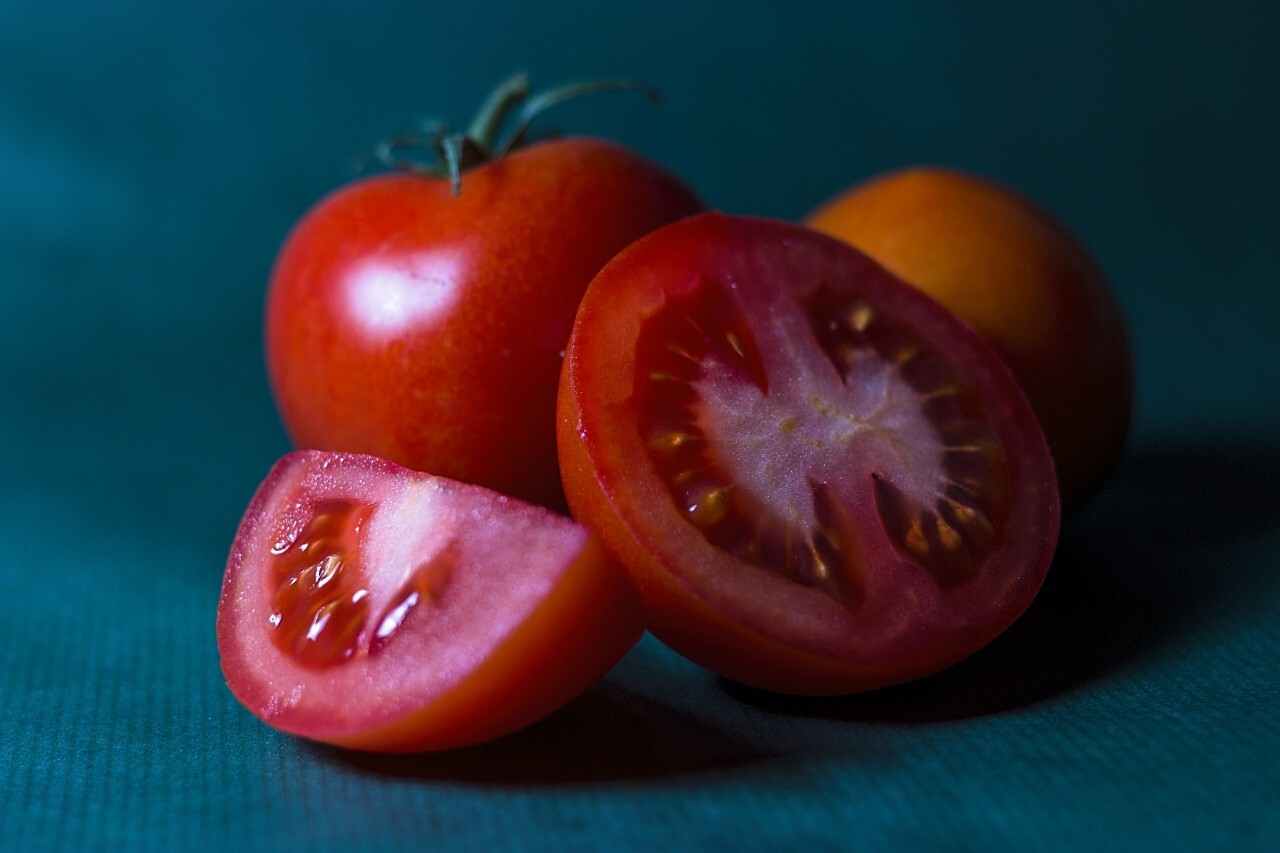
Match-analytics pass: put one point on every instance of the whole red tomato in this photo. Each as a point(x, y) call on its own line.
point(423, 319)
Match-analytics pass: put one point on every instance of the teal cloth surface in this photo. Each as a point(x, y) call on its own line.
point(152, 156)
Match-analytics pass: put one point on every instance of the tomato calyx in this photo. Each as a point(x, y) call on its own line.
point(449, 153)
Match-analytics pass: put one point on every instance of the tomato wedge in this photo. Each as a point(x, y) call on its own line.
point(821, 481)
point(374, 607)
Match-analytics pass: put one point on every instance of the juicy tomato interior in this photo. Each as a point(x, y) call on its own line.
point(821, 481)
point(370, 606)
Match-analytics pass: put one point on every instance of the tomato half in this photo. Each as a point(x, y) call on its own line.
point(427, 328)
point(373, 607)
point(1025, 283)
point(821, 481)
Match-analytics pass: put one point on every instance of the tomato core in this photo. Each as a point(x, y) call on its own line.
point(708, 411)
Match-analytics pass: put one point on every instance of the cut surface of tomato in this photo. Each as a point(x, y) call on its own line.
point(374, 607)
point(821, 481)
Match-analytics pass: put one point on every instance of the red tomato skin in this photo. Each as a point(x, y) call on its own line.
point(426, 328)
point(578, 631)
point(680, 613)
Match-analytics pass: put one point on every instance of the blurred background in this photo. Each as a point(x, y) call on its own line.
point(154, 155)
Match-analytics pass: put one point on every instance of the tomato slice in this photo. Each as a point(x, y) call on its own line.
point(821, 481)
point(374, 607)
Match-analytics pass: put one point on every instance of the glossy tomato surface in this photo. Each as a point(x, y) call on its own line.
point(373, 607)
point(1025, 283)
point(427, 328)
point(821, 480)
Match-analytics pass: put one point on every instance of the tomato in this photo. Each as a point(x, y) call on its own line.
point(820, 480)
point(373, 607)
point(1025, 283)
point(425, 327)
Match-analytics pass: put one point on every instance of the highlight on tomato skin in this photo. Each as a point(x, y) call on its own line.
point(377, 608)
point(820, 480)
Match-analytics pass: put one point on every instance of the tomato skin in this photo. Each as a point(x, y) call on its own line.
point(1025, 283)
point(407, 323)
point(482, 670)
point(749, 624)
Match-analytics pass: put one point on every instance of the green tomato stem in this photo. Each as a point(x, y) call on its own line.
point(484, 128)
point(568, 92)
point(453, 153)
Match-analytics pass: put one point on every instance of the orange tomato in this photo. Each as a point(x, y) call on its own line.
point(1021, 280)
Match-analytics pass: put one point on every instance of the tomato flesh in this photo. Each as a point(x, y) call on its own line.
point(821, 481)
point(369, 606)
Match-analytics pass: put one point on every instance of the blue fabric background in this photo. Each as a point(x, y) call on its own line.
point(152, 156)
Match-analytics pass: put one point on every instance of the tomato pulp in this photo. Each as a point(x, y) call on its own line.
point(373, 607)
point(427, 328)
point(820, 480)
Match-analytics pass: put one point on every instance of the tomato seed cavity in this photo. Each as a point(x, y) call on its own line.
point(321, 611)
point(319, 606)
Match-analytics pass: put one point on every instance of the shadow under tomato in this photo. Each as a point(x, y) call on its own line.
point(610, 734)
point(1138, 568)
